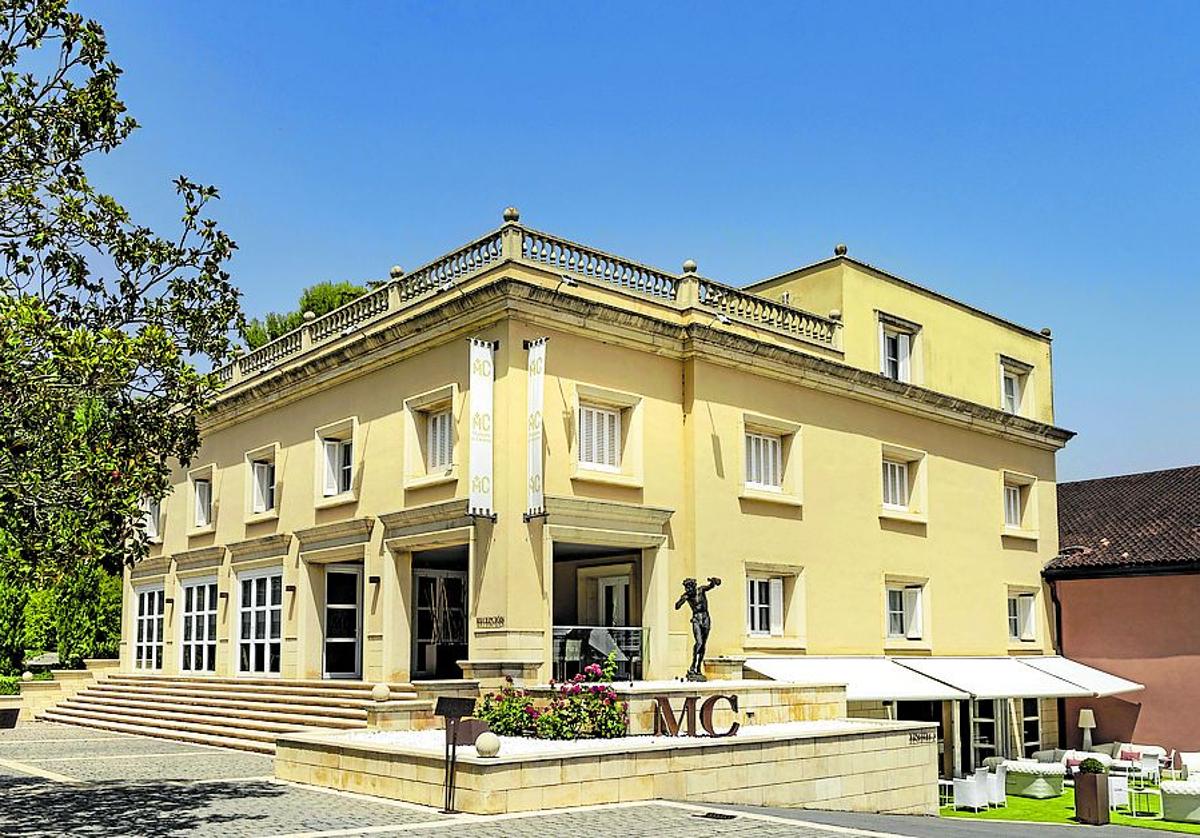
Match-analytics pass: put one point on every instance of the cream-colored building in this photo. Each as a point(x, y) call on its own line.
point(867, 465)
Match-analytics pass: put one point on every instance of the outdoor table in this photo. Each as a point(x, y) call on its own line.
point(1149, 795)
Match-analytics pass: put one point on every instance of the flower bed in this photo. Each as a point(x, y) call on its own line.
point(586, 707)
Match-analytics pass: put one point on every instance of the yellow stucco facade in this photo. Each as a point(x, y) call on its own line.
point(688, 368)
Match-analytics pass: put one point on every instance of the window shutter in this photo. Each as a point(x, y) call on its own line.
point(587, 435)
point(203, 492)
point(903, 343)
point(331, 467)
point(912, 613)
point(776, 589)
point(882, 349)
point(750, 606)
point(259, 499)
point(613, 448)
point(751, 475)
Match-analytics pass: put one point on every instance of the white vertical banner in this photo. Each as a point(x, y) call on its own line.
point(535, 494)
point(482, 374)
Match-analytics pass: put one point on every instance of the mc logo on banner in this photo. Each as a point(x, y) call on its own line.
point(535, 496)
point(482, 376)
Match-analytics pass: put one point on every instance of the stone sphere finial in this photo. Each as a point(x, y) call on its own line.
point(835, 314)
point(689, 266)
point(309, 316)
point(840, 249)
point(396, 272)
point(381, 692)
point(1046, 331)
point(512, 215)
point(487, 745)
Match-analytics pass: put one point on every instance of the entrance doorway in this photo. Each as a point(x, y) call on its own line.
point(343, 621)
point(440, 613)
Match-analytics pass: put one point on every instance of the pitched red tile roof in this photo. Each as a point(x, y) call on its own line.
point(1132, 524)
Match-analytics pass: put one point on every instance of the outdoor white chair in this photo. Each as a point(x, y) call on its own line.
point(1118, 791)
point(1148, 769)
point(1191, 764)
point(972, 792)
point(997, 794)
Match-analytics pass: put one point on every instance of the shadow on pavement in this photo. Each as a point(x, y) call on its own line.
point(32, 806)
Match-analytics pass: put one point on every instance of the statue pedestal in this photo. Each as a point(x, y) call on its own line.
point(725, 668)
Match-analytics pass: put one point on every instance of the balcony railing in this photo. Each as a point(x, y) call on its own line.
point(577, 646)
point(520, 244)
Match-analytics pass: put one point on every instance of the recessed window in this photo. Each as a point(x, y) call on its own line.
point(151, 518)
point(764, 606)
point(440, 440)
point(897, 338)
point(895, 484)
point(1012, 506)
point(1021, 617)
point(262, 497)
point(599, 437)
point(1014, 381)
point(764, 461)
point(200, 626)
point(202, 502)
point(260, 613)
point(904, 618)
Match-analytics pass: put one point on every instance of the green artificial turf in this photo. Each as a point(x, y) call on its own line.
point(1061, 810)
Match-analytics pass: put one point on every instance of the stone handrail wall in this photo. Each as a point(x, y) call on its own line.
point(565, 255)
point(512, 241)
point(760, 311)
point(462, 263)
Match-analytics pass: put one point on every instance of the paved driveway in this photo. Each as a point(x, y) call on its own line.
point(63, 780)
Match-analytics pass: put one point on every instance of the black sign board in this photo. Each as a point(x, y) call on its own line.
point(452, 709)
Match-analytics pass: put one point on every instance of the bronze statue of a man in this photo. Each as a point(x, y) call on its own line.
point(697, 597)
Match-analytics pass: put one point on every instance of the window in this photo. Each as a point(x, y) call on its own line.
point(1021, 617)
point(1031, 726)
point(260, 622)
point(764, 461)
point(895, 484)
point(600, 437)
point(262, 497)
point(202, 495)
point(904, 611)
point(1014, 379)
point(151, 517)
point(764, 606)
point(1012, 506)
point(148, 642)
point(896, 342)
point(339, 466)
point(200, 626)
point(440, 445)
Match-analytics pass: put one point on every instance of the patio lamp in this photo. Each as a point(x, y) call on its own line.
point(1087, 721)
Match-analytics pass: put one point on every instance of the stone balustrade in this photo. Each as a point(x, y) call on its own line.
point(520, 244)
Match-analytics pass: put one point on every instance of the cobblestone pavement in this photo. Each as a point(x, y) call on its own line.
point(63, 780)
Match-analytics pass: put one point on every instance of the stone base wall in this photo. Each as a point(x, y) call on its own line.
point(867, 710)
point(873, 770)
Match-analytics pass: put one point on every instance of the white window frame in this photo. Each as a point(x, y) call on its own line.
point(1027, 746)
point(152, 519)
point(764, 606)
point(895, 478)
point(262, 474)
point(337, 458)
point(911, 610)
point(260, 651)
point(764, 461)
point(149, 628)
point(1019, 374)
point(203, 642)
point(1022, 616)
point(197, 478)
point(603, 452)
point(905, 336)
point(1013, 505)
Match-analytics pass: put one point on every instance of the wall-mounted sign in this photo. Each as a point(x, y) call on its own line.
point(492, 621)
point(918, 736)
point(481, 502)
point(535, 496)
point(668, 723)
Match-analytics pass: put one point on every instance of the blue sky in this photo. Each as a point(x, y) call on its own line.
point(1036, 160)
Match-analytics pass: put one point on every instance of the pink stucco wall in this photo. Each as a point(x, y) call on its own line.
point(1147, 629)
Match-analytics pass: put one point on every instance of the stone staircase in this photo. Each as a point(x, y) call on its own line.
point(244, 713)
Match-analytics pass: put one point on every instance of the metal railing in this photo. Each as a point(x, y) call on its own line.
point(577, 646)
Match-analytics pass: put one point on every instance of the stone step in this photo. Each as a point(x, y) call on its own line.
point(264, 720)
point(350, 708)
point(210, 734)
point(249, 695)
point(329, 690)
point(321, 684)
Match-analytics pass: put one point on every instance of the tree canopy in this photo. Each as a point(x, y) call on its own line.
point(104, 323)
point(320, 299)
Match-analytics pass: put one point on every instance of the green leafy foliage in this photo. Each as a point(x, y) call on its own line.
point(12, 626)
point(320, 299)
point(41, 631)
point(586, 707)
point(10, 685)
point(1091, 765)
point(88, 611)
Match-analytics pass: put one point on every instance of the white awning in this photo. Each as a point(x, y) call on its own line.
point(995, 677)
point(866, 678)
point(1089, 678)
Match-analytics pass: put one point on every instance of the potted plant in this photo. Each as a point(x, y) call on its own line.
point(1091, 793)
